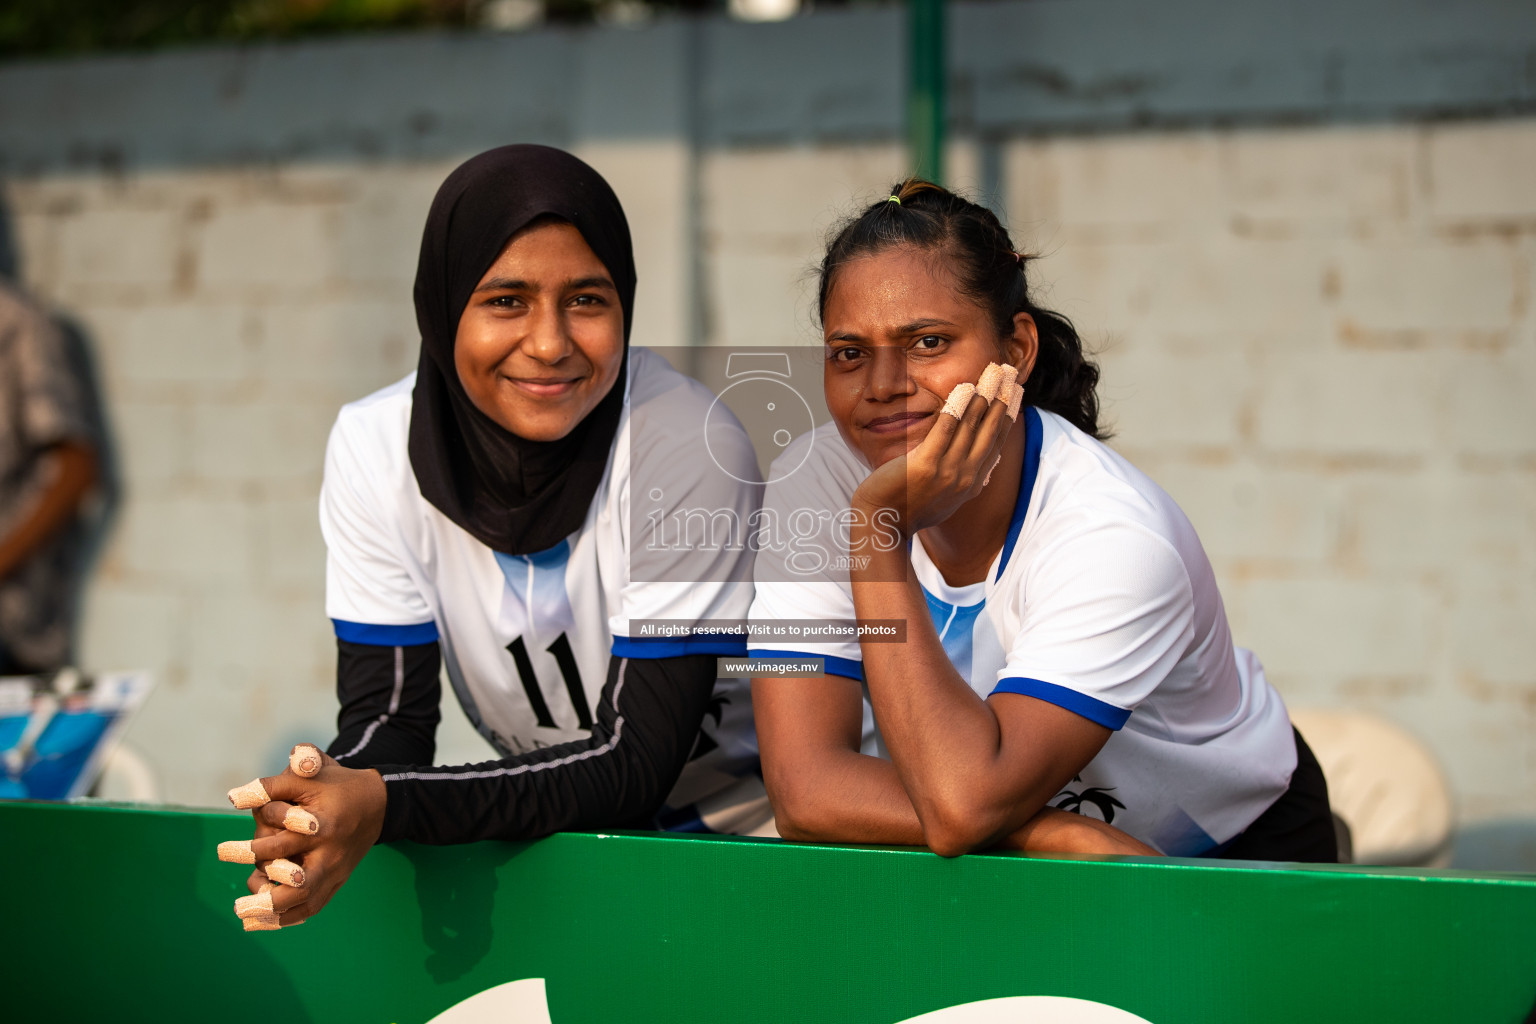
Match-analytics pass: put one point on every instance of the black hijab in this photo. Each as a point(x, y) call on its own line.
point(513, 495)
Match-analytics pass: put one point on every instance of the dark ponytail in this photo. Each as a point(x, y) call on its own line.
point(922, 215)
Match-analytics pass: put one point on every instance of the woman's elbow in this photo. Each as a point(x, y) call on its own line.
point(791, 821)
point(953, 828)
point(797, 815)
point(793, 829)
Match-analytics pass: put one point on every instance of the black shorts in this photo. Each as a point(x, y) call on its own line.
point(1298, 827)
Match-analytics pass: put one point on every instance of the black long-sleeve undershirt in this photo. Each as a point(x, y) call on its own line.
point(390, 699)
point(647, 721)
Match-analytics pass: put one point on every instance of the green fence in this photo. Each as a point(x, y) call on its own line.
point(124, 914)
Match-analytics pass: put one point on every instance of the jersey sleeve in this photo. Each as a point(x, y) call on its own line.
point(370, 594)
point(785, 617)
point(1107, 615)
point(389, 704)
point(688, 503)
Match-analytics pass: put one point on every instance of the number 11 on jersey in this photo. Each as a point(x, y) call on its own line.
point(566, 659)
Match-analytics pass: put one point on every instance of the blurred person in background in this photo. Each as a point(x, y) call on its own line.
point(48, 467)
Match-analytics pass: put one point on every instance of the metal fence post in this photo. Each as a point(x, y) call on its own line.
point(925, 88)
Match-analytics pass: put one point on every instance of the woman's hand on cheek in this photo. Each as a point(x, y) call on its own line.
point(947, 469)
point(347, 804)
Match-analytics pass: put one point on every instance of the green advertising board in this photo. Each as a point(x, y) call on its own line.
point(124, 914)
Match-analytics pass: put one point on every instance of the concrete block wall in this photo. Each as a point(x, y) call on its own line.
point(1307, 261)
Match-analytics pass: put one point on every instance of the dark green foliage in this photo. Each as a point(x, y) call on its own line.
point(39, 27)
point(55, 27)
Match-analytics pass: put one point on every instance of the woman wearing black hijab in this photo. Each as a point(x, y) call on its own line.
point(481, 513)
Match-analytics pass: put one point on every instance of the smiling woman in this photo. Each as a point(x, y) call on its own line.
point(1066, 647)
point(476, 513)
point(541, 341)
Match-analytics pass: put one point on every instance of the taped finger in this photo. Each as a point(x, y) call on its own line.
point(991, 380)
point(285, 897)
point(255, 905)
point(278, 846)
point(1010, 375)
point(301, 821)
point(237, 851)
point(305, 760)
point(273, 814)
point(958, 399)
point(285, 872)
point(261, 923)
point(1015, 401)
point(252, 794)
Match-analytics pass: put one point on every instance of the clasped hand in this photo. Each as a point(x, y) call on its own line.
point(311, 832)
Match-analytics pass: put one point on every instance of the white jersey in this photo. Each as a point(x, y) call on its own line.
point(1102, 602)
point(527, 640)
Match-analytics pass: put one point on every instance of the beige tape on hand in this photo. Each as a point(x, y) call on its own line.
point(252, 794)
point(237, 851)
point(301, 821)
point(1015, 401)
point(1010, 375)
point(286, 872)
point(305, 760)
point(261, 923)
point(991, 380)
point(251, 906)
point(959, 399)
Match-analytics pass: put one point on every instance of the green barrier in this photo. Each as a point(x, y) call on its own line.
point(124, 914)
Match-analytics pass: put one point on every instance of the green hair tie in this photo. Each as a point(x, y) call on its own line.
point(894, 199)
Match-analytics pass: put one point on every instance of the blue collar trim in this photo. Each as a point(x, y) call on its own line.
point(1026, 485)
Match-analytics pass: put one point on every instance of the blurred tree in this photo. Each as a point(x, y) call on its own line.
point(77, 26)
point(41, 27)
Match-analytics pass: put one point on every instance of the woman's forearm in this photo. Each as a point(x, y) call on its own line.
point(1053, 831)
point(943, 739)
point(850, 798)
point(860, 799)
point(390, 701)
point(647, 723)
point(823, 789)
point(973, 776)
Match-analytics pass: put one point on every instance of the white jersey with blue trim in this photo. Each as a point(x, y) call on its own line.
point(1101, 601)
point(526, 639)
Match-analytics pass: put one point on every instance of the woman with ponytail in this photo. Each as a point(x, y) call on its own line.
point(1043, 661)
